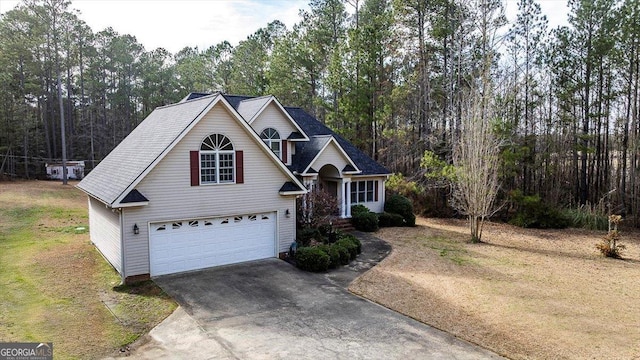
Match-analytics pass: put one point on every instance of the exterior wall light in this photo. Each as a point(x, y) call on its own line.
point(287, 213)
point(136, 229)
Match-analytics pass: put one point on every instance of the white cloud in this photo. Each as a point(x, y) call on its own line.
point(174, 24)
point(555, 10)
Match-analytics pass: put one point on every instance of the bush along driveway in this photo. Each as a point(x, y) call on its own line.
point(270, 310)
point(330, 255)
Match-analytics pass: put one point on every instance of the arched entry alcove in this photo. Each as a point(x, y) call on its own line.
point(328, 180)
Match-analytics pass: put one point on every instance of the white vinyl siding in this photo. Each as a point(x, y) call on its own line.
point(104, 230)
point(331, 155)
point(171, 197)
point(272, 117)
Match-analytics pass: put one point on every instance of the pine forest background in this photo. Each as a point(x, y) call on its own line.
point(393, 77)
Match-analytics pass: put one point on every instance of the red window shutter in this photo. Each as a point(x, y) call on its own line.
point(375, 190)
point(284, 151)
point(239, 167)
point(194, 157)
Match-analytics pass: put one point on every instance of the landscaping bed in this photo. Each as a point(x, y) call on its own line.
point(525, 293)
point(56, 287)
point(318, 253)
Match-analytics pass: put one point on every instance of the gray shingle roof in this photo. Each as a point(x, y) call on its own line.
point(306, 151)
point(194, 95)
point(234, 100)
point(122, 167)
point(248, 108)
point(313, 128)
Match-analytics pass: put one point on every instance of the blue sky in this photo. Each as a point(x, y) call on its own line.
point(174, 24)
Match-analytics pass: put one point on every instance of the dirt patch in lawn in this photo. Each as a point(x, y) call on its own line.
point(525, 294)
point(56, 287)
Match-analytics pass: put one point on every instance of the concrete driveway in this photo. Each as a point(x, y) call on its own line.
point(271, 310)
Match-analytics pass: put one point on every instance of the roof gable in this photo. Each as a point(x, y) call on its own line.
point(329, 153)
point(251, 110)
point(145, 145)
point(272, 117)
point(313, 127)
point(119, 173)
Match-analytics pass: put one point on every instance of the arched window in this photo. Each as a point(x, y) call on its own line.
point(271, 137)
point(216, 160)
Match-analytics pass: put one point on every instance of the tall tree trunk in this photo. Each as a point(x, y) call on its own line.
point(586, 113)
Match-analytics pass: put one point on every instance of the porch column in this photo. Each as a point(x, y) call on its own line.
point(347, 195)
point(343, 207)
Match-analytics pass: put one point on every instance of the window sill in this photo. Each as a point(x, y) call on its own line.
point(215, 184)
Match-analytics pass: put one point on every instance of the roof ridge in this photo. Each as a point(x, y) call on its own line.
point(190, 100)
point(254, 98)
point(322, 135)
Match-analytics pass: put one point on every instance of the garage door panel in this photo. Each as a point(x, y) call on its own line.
point(194, 244)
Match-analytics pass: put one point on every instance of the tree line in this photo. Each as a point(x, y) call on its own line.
point(393, 76)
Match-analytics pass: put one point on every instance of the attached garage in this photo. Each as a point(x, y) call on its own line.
point(157, 200)
point(184, 245)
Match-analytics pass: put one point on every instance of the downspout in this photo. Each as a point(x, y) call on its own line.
point(277, 234)
point(122, 252)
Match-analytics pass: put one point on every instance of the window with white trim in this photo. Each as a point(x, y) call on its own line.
point(216, 160)
point(271, 137)
point(362, 191)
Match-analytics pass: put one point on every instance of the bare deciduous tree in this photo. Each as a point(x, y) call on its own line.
point(476, 158)
point(317, 207)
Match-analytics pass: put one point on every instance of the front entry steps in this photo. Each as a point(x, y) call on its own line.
point(343, 225)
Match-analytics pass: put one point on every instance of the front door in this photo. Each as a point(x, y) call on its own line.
point(332, 188)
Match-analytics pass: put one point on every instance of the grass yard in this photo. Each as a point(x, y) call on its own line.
point(55, 286)
point(525, 294)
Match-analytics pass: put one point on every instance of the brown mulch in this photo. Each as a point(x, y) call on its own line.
point(524, 293)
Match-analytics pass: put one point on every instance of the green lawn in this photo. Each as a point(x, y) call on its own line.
point(55, 286)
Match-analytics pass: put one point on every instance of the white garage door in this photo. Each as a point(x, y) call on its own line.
point(201, 243)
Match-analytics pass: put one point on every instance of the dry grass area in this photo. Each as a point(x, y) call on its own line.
point(524, 293)
point(55, 286)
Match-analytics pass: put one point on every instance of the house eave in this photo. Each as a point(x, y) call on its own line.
point(373, 175)
point(131, 204)
point(105, 202)
point(288, 193)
